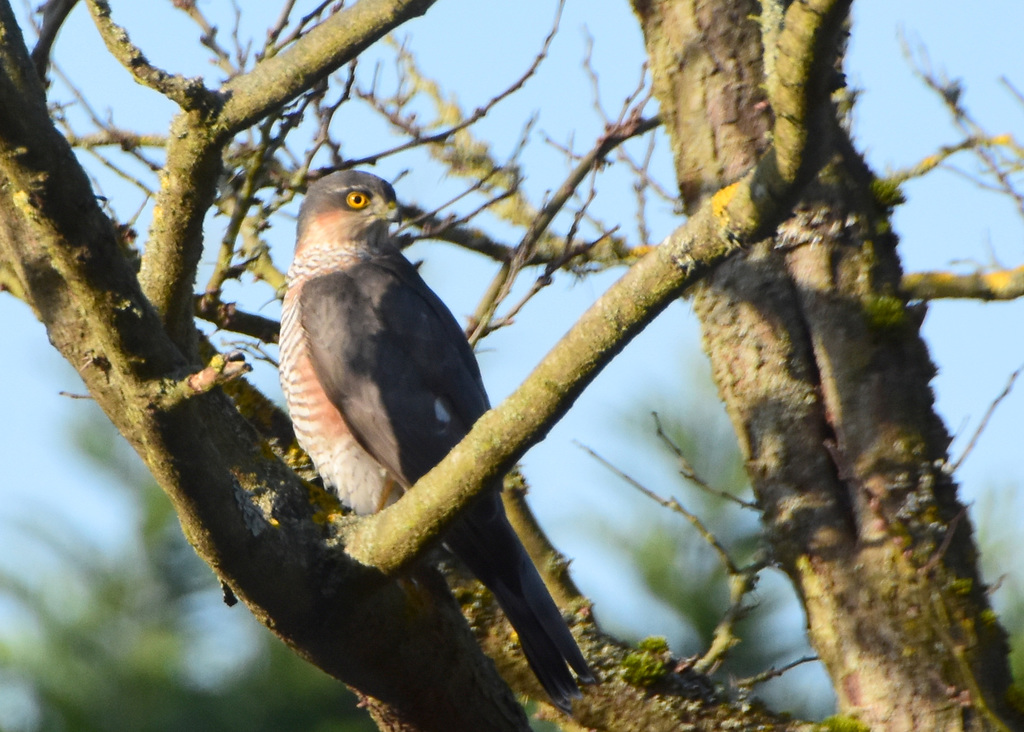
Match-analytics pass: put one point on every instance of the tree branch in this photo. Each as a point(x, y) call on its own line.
point(189, 94)
point(614, 135)
point(200, 132)
point(1003, 284)
point(278, 79)
point(227, 316)
point(394, 538)
point(243, 510)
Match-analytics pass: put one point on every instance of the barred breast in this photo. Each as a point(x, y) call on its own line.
point(347, 469)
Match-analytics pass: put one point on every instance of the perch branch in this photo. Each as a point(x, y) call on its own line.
point(735, 215)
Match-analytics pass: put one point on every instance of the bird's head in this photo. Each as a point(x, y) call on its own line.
point(348, 206)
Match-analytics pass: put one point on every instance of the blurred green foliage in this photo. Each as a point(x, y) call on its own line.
point(133, 634)
point(680, 571)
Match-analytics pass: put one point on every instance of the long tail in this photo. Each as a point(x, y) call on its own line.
point(486, 543)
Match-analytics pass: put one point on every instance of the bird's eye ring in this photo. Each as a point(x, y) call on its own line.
point(357, 200)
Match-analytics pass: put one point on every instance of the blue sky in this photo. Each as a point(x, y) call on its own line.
point(947, 222)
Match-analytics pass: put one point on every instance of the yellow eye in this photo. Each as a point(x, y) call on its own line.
point(357, 200)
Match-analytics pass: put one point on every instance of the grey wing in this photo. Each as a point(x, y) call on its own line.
point(393, 360)
point(395, 363)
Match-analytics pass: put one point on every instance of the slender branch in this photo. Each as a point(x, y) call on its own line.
point(467, 237)
point(999, 156)
point(633, 126)
point(674, 505)
point(272, 136)
point(480, 112)
point(945, 152)
point(724, 638)
point(686, 470)
point(613, 136)
point(985, 419)
point(188, 94)
point(106, 126)
point(1004, 284)
point(209, 37)
point(742, 580)
point(552, 565)
point(773, 672)
point(116, 137)
point(227, 316)
point(321, 51)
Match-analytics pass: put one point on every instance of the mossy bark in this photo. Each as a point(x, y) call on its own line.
point(822, 368)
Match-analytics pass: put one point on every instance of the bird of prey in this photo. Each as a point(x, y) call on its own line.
point(381, 384)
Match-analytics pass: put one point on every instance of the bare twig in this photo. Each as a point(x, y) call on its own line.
point(209, 37)
point(673, 505)
point(687, 471)
point(741, 580)
point(985, 419)
point(419, 139)
point(940, 552)
point(125, 140)
point(772, 673)
point(995, 166)
point(945, 152)
point(428, 221)
point(1012, 89)
point(724, 637)
point(273, 134)
point(613, 136)
point(275, 42)
point(467, 237)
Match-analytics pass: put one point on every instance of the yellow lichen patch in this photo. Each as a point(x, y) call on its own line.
point(21, 200)
point(296, 458)
point(326, 506)
point(721, 200)
point(1001, 279)
point(930, 162)
point(961, 586)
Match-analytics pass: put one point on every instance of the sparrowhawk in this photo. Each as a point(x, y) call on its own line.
point(381, 384)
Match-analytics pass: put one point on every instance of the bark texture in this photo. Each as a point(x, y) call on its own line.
point(819, 360)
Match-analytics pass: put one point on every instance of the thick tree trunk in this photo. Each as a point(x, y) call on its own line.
point(826, 379)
